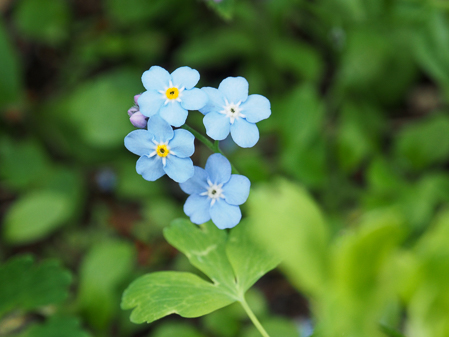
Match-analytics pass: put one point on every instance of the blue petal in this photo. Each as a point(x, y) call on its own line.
point(256, 108)
point(150, 103)
point(179, 169)
point(197, 184)
point(193, 99)
point(218, 169)
point(185, 77)
point(150, 168)
point(244, 133)
point(236, 190)
point(235, 89)
point(215, 102)
point(197, 208)
point(156, 78)
point(139, 142)
point(174, 113)
point(182, 143)
point(224, 215)
point(160, 129)
point(217, 125)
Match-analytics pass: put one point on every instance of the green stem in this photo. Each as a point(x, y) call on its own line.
point(253, 318)
point(214, 147)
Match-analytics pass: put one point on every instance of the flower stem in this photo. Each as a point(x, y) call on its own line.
point(253, 318)
point(214, 147)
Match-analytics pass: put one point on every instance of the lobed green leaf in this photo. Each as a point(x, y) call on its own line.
point(232, 262)
point(160, 294)
point(25, 285)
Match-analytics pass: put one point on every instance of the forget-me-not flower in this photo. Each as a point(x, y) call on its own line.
point(215, 193)
point(171, 95)
point(162, 151)
point(230, 109)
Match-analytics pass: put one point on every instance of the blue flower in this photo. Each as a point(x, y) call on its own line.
point(162, 151)
point(215, 193)
point(230, 109)
point(171, 95)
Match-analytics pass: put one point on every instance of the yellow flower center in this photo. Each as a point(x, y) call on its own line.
point(162, 150)
point(172, 93)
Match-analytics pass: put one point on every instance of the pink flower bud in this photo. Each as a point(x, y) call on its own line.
point(133, 110)
point(138, 120)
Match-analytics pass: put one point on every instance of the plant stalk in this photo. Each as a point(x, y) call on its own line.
point(253, 318)
point(214, 147)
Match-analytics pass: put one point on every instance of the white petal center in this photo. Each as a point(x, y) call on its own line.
point(232, 110)
point(214, 192)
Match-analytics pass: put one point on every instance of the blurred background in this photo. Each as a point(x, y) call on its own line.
point(359, 92)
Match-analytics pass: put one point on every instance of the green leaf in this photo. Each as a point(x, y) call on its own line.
point(364, 276)
point(205, 249)
point(10, 76)
point(358, 134)
point(25, 285)
point(428, 301)
point(43, 20)
point(160, 294)
point(288, 222)
point(225, 8)
point(221, 46)
point(431, 47)
point(208, 248)
point(23, 163)
point(57, 326)
point(249, 261)
point(302, 123)
point(424, 143)
point(35, 215)
point(296, 58)
point(130, 12)
point(104, 268)
point(97, 109)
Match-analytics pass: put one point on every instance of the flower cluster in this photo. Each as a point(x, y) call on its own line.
point(215, 193)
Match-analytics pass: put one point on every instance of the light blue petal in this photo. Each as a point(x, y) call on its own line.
point(193, 99)
point(179, 169)
point(197, 208)
point(174, 113)
point(160, 129)
point(256, 108)
point(236, 190)
point(244, 133)
point(215, 100)
point(139, 142)
point(197, 184)
point(218, 169)
point(185, 77)
point(150, 168)
point(156, 78)
point(217, 125)
point(235, 89)
point(150, 103)
point(182, 143)
point(224, 215)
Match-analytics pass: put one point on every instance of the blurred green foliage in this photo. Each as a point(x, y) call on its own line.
point(359, 92)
